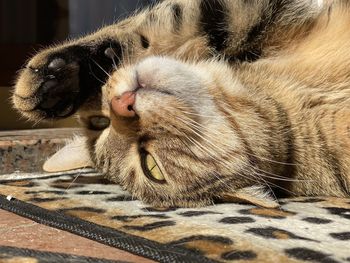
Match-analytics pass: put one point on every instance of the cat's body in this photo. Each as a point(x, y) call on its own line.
point(187, 132)
point(280, 121)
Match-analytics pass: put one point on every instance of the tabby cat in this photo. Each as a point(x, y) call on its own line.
point(186, 129)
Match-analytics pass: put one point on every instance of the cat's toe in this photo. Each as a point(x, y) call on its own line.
point(55, 100)
point(57, 81)
point(57, 64)
point(47, 88)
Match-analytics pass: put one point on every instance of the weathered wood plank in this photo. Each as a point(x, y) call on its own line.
point(40, 133)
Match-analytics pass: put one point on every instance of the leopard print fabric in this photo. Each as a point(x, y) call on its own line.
point(301, 230)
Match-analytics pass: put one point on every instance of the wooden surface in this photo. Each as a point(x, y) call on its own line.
point(39, 134)
point(26, 151)
point(20, 232)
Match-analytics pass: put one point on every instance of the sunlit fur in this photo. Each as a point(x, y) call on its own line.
point(282, 122)
point(185, 29)
point(213, 123)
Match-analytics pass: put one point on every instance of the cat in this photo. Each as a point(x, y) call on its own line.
point(188, 130)
point(188, 133)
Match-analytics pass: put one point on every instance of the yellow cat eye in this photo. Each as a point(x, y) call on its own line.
point(151, 168)
point(98, 123)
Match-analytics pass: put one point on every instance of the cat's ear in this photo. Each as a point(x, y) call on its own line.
point(74, 155)
point(255, 195)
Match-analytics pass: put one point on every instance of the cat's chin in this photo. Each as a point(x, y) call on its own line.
point(63, 161)
point(253, 195)
point(180, 203)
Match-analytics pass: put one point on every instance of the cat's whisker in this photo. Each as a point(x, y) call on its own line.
point(200, 147)
point(269, 160)
point(195, 125)
point(212, 143)
point(108, 75)
point(37, 122)
point(200, 115)
point(204, 150)
point(219, 135)
point(218, 176)
point(94, 75)
point(113, 58)
point(249, 178)
point(126, 56)
point(278, 186)
point(215, 158)
point(272, 176)
point(279, 177)
point(197, 131)
point(268, 185)
point(188, 148)
point(210, 154)
point(71, 183)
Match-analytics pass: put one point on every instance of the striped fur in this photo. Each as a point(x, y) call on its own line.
point(213, 125)
point(281, 122)
point(198, 29)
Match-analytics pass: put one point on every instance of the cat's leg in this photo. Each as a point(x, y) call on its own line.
point(57, 81)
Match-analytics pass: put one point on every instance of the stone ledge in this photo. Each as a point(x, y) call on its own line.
point(26, 151)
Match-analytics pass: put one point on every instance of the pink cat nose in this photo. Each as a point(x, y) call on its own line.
point(124, 105)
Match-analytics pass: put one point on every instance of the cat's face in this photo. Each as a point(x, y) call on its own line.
point(168, 143)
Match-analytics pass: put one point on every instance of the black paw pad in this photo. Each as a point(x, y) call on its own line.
point(48, 86)
point(55, 100)
point(71, 75)
point(57, 64)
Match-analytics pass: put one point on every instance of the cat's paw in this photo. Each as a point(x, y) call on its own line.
point(57, 81)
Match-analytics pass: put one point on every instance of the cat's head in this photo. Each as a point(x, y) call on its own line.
point(170, 141)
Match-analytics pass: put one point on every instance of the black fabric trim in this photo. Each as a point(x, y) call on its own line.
point(7, 252)
point(108, 236)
